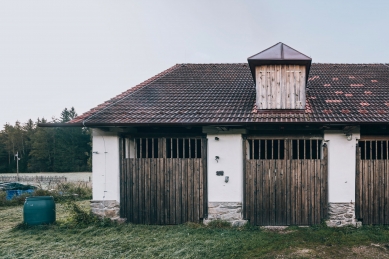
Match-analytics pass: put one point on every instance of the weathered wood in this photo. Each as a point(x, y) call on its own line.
point(285, 191)
point(167, 189)
point(372, 181)
point(280, 87)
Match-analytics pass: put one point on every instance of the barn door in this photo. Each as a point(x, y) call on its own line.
point(372, 181)
point(164, 180)
point(285, 181)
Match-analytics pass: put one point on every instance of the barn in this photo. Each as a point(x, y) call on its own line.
point(278, 140)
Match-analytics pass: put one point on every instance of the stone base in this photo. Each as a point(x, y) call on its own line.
point(107, 209)
point(342, 214)
point(227, 211)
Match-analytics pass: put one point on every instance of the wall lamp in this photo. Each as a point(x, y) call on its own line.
point(217, 158)
point(216, 138)
point(349, 136)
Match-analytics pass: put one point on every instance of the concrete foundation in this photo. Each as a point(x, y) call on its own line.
point(342, 214)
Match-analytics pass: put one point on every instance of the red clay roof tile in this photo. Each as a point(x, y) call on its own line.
point(225, 93)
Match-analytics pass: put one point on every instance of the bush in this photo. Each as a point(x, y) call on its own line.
point(61, 192)
point(219, 224)
point(82, 218)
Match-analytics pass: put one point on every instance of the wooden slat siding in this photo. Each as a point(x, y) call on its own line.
point(285, 191)
point(258, 191)
point(178, 181)
point(165, 190)
point(190, 189)
point(148, 191)
point(184, 190)
point(196, 190)
point(252, 189)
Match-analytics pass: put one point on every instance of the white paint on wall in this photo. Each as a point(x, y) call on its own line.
point(229, 148)
point(341, 166)
point(105, 166)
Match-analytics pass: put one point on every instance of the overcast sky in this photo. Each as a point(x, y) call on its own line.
point(56, 54)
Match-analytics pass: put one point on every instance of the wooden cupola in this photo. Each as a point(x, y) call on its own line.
point(280, 74)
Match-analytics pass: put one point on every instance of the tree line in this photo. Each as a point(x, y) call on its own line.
point(54, 149)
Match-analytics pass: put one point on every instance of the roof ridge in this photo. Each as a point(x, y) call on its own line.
point(92, 112)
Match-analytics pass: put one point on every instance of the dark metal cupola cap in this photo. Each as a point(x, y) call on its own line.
point(279, 54)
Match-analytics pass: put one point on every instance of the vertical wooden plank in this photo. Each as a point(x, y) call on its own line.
point(266, 201)
point(148, 190)
point(201, 189)
point(273, 192)
point(164, 187)
point(293, 188)
point(252, 190)
point(184, 169)
point(152, 188)
point(190, 189)
point(299, 193)
point(129, 212)
point(382, 188)
point(197, 190)
point(168, 182)
point(259, 197)
point(136, 190)
point(177, 183)
point(142, 182)
point(304, 188)
point(287, 176)
point(365, 191)
point(386, 171)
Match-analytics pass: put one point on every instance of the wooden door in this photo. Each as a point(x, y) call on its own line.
point(285, 181)
point(372, 181)
point(164, 181)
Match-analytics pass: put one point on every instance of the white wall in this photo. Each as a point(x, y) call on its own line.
point(105, 166)
point(341, 166)
point(229, 148)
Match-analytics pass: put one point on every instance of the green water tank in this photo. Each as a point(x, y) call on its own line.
point(39, 210)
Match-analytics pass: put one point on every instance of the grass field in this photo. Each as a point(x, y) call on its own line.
point(66, 240)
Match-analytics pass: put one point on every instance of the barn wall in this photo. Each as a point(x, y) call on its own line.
point(341, 166)
point(229, 148)
point(105, 166)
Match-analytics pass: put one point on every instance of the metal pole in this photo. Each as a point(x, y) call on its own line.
point(17, 165)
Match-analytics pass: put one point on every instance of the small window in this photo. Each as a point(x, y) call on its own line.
point(374, 149)
point(306, 148)
point(266, 148)
point(146, 147)
point(183, 148)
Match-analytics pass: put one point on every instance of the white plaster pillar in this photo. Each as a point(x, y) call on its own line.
point(225, 198)
point(106, 166)
point(341, 166)
point(229, 149)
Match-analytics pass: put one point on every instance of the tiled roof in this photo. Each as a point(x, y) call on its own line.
point(225, 94)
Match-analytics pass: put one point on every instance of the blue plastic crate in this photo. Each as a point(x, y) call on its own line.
point(13, 193)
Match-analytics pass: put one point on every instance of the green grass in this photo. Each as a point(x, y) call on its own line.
point(65, 239)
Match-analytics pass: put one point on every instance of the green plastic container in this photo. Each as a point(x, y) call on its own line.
point(39, 210)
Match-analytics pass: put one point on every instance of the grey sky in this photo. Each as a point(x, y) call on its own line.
point(56, 54)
